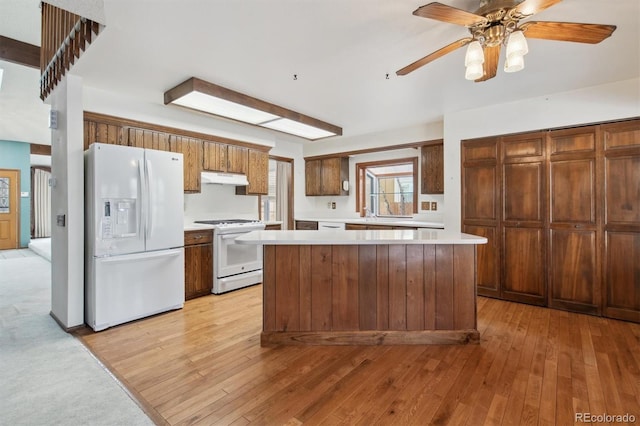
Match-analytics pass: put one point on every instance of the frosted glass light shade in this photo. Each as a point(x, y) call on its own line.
point(474, 72)
point(474, 55)
point(514, 63)
point(517, 44)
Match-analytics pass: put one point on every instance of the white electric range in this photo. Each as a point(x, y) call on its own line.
point(234, 265)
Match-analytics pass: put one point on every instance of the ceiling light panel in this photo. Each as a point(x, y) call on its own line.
point(224, 108)
point(299, 129)
point(213, 99)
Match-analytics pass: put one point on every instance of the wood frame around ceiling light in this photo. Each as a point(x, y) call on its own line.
point(194, 84)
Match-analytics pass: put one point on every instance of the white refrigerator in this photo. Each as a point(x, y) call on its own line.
point(134, 238)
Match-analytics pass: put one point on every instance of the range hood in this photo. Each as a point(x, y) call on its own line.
point(224, 178)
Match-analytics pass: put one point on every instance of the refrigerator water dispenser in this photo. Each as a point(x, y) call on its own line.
point(119, 218)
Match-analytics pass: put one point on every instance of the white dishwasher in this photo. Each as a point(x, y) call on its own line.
point(330, 226)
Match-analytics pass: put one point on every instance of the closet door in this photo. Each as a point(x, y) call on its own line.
point(523, 218)
point(622, 220)
point(574, 236)
point(480, 208)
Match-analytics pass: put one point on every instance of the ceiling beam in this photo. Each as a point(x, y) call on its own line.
point(19, 52)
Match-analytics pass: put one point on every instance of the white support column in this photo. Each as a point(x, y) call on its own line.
point(67, 204)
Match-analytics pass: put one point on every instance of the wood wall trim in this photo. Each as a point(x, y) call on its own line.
point(19, 52)
point(415, 145)
point(126, 122)
point(37, 149)
point(371, 338)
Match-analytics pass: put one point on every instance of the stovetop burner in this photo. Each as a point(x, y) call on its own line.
point(225, 221)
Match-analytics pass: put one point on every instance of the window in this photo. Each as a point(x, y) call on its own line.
point(386, 188)
point(277, 205)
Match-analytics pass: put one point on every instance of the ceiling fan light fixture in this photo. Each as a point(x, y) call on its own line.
point(517, 44)
point(474, 55)
point(474, 72)
point(514, 63)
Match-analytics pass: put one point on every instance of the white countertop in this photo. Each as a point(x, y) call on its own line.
point(380, 221)
point(196, 226)
point(386, 236)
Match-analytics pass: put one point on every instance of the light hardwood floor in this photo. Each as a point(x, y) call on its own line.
point(204, 365)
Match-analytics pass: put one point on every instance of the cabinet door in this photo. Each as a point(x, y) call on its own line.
point(488, 260)
point(622, 220)
point(313, 177)
point(198, 270)
point(432, 159)
point(258, 173)
point(191, 149)
point(330, 182)
point(307, 225)
point(237, 159)
point(148, 139)
point(524, 265)
point(103, 133)
point(574, 274)
point(215, 156)
point(523, 219)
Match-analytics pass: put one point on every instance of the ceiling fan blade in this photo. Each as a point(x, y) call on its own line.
point(452, 15)
point(433, 56)
point(530, 7)
point(491, 57)
point(568, 31)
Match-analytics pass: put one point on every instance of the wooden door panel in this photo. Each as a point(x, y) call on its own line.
point(622, 189)
point(480, 150)
point(344, 288)
point(313, 177)
point(215, 156)
point(523, 196)
point(566, 141)
point(622, 275)
point(488, 260)
point(573, 196)
point(524, 265)
point(480, 193)
point(622, 135)
point(525, 147)
point(574, 271)
point(237, 159)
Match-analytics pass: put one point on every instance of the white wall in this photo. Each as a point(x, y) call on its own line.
point(219, 201)
point(588, 105)
point(67, 198)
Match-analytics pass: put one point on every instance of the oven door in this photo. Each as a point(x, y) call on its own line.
point(233, 258)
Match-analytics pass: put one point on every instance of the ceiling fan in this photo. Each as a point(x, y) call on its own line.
point(496, 23)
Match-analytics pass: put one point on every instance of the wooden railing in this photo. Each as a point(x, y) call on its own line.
point(64, 37)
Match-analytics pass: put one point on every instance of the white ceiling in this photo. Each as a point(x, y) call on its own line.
point(340, 50)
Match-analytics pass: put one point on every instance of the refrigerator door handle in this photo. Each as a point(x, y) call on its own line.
point(149, 220)
point(149, 199)
point(141, 256)
point(143, 204)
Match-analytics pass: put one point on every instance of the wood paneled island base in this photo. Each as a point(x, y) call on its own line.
point(414, 293)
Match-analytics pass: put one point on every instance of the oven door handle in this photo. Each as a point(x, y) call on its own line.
point(229, 236)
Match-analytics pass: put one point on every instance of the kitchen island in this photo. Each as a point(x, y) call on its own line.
point(374, 287)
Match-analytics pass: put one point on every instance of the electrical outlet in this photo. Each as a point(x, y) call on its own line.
point(426, 205)
point(333, 205)
point(434, 205)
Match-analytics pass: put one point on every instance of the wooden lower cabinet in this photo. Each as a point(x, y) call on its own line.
point(307, 225)
point(488, 260)
point(198, 263)
point(524, 265)
point(273, 227)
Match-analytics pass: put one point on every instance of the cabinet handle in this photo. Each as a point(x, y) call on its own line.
point(199, 237)
point(578, 226)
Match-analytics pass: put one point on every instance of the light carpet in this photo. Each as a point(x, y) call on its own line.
point(47, 377)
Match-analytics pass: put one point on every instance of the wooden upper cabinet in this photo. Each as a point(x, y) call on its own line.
point(148, 139)
point(191, 150)
point(237, 159)
point(257, 174)
point(214, 156)
point(102, 133)
point(325, 176)
point(432, 165)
